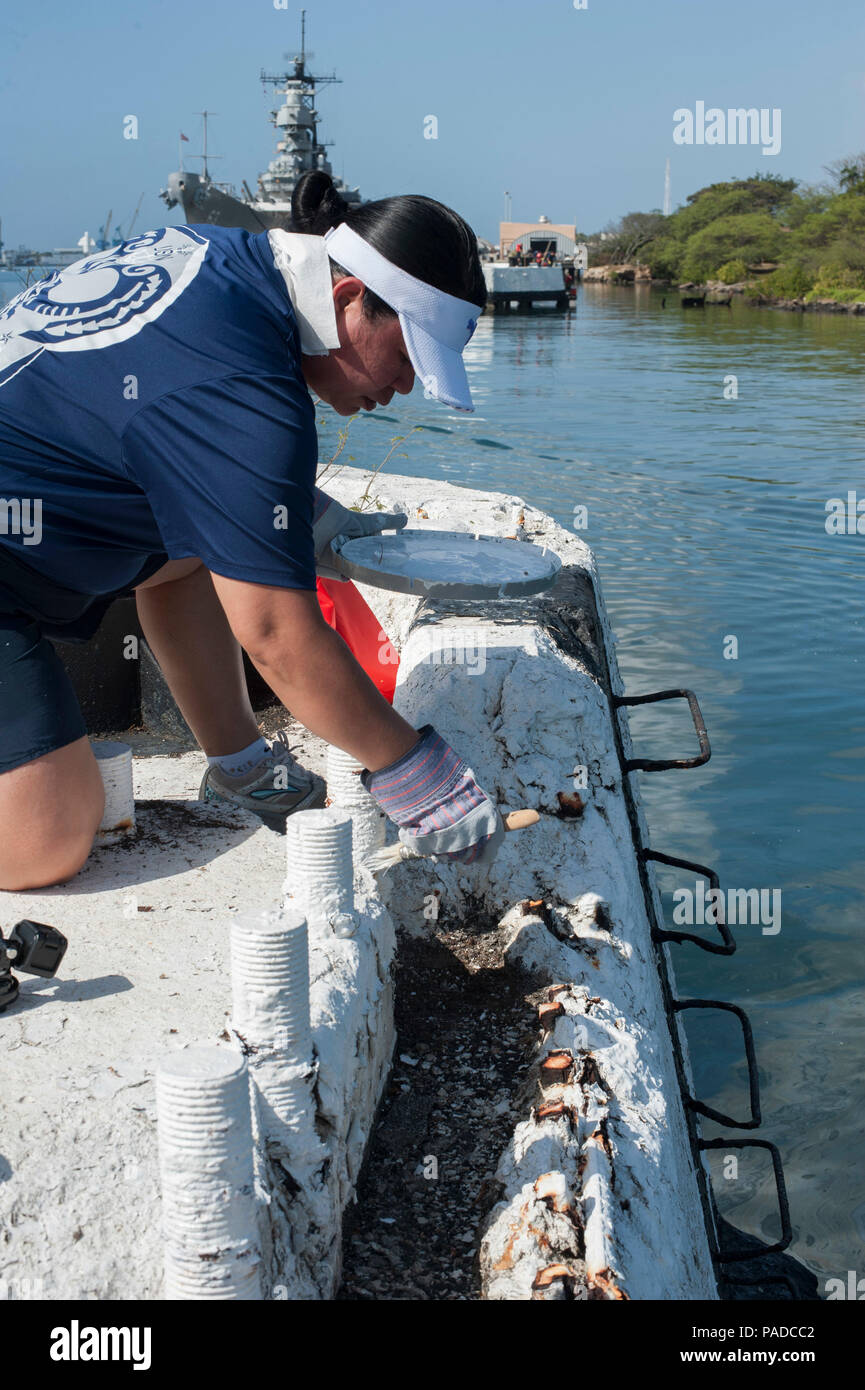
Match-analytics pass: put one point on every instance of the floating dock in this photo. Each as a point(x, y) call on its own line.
point(526, 287)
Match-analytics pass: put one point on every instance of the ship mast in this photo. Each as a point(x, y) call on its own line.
point(204, 115)
point(298, 149)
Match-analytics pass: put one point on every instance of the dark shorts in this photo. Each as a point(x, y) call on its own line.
point(39, 710)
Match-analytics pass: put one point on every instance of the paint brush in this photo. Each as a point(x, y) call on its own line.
point(382, 859)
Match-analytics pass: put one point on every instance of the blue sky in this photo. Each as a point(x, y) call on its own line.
point(570, 110)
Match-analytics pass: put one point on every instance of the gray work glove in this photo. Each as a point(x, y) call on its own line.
point(333, 524)
point(432, 795)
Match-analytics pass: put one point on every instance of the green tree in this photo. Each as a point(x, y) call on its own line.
point(627, 237)
point(752, 236)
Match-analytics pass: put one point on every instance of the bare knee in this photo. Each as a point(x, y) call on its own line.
point(65, 857)
point(50, 810)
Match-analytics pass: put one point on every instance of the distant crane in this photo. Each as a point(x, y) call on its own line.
point(668, 200)
point(124, 236)
point(102, 238)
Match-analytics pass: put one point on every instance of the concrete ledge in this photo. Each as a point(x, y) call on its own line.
point(529, 715)
point(603, 1187)
point(533, 717)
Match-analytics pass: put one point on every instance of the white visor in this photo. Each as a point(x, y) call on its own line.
point(435, 326)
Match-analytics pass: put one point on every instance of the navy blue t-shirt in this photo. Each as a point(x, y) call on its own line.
point(152, 406)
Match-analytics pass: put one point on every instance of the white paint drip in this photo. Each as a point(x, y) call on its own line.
point(205, 1161)
point(598, 1211)
point(114, 761)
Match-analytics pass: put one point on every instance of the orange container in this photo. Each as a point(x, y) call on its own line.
point(345, 609)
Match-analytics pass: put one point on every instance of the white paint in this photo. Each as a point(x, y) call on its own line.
point(114, 761)
point(80, 1050)
point(205, 1163)
point(270, 981)
point(319, 867)
point(347, 793)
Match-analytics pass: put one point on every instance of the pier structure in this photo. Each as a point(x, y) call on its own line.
point(207, 929)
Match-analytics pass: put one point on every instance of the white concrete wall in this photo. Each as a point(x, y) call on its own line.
point(620, 1151)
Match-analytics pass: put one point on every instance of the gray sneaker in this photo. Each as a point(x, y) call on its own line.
point(273, 789)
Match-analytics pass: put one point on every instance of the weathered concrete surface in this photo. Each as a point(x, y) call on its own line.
point(520, 688)
point(147, 971)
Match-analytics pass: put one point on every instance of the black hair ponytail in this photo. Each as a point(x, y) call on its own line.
point(426, 238)
point(315, 204)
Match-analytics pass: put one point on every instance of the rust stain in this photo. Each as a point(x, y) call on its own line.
point(547, 1013)
point(545, 1277)
point(551, 1110)
point(507, 1258)
point(571, 805)
point(602, 1285)
point(556, 1066)
point(540, 1236)
point(556, 989)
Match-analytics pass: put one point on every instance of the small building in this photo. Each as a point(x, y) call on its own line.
point(549, 238)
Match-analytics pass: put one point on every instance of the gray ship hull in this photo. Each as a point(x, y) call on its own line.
point(298, 151)
point(204, 201)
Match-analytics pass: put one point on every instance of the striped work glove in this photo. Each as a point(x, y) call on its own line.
point(432, 794)
point(332, 523)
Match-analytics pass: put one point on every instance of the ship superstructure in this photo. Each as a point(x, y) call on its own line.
point(298, 150)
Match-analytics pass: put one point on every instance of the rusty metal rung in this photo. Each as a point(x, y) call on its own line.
point(729, 944)
point(679, 1005)
point(664, 764)
point(742, 1253)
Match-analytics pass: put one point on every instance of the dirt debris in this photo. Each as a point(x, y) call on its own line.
point(469, 1023)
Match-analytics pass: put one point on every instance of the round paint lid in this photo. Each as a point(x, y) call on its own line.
point(449, 564)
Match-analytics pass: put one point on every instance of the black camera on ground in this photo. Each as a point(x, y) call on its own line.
point(33, 947)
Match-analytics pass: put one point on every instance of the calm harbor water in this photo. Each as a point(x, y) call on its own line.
point(708, 518)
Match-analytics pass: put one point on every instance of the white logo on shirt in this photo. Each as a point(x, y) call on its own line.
point(100, 300)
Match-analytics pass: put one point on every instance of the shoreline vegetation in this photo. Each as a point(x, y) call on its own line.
point(773, 241)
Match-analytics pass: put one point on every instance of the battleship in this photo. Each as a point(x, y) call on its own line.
point(298, 150)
